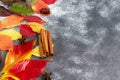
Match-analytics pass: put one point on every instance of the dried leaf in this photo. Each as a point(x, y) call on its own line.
point(36, 51)
point(41, 7)
point(21, 8)
point(33, 2)
point(8, 76)
point(19, 52)
point(36, 27)
point(4, 12)
point(0, 57)
point(28, 69)
point(5, 42)
point(8, 2)
point(26, 30)
point(34, 19)
point(1, 27)
point(49, 1)
point(12, 33)
point(11, 21)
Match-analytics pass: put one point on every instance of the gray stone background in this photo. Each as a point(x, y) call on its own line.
point(86, 34)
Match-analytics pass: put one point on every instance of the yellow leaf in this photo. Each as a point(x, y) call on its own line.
point(36, 26)
point(12, 33)
point(36, 51)
point(11, 21)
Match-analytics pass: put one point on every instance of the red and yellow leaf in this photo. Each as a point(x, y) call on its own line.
point(19, 52)
point(41, 7)
point(26, 30)
point(49, 1)
point(36, 26)
point(5, 42)
point(34, 19)
point(28, 69)
point(11, 21)
point(8, 76)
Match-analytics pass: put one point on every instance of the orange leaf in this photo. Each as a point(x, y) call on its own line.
point(19, 52)
point(11, 21)
point(5, 42)
point(1, 27)
point(41, 7)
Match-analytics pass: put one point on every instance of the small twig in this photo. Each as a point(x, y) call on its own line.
point(22, 41)
point(46, 76)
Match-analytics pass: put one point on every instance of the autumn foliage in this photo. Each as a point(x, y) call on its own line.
point(19, 32)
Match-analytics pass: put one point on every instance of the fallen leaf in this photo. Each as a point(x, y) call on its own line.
point(36, 51)
point(8, 76)
point(8, 2)
point(12, 33)
point(34, 19)
point(1, 27)
point(49, 1)
point(26, 30)
point(19, 52)
point(11, 21)
point(32, 2)
point(5, 42)
point(4, 12)
point(36, 26)
point(28, 69)
point(40, 7)
point(21, 8)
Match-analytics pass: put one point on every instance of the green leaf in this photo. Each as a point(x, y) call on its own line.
point(21, 8)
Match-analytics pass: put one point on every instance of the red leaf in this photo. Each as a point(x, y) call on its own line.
point(19, 52)
point(26, 30)
point(28, 69)
point(49, 1)
point(9, 78)
point(22, 49)
point(34, 19)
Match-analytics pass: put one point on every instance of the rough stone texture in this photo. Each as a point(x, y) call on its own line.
point(86, 34)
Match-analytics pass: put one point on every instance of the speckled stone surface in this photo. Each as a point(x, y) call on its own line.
point(86, 34)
